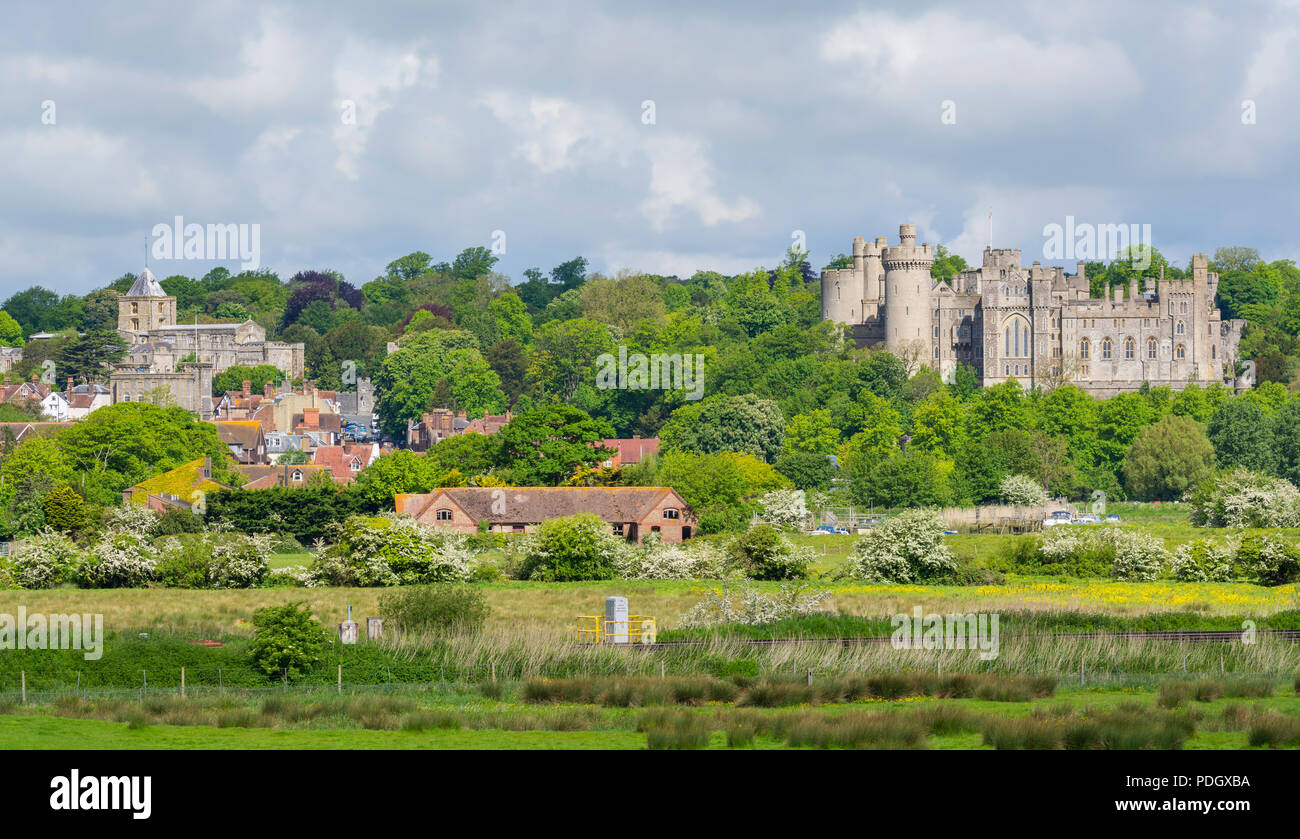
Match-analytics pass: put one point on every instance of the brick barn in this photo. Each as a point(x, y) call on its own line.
point(631, 512)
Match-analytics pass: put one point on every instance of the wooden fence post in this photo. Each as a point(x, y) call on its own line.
point(340, 678)
point(182, 683)
point(23, 675)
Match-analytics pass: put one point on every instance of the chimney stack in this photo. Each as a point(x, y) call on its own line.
point(267, 390)
point(248, 388)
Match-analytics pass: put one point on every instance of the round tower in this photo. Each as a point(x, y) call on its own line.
point(842, 290)
point(907, 293)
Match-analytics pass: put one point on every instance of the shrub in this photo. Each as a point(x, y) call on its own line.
point(785, 508)
point(753, 608)
point(1203, 561)
point(1245, 499)
point(906, 548)
point(1139, 557)
point(571, 548)
point(118, 560)
point(45, 560)
point(1022, 489)
point(1268, 559)
point(287, 640)
point(176, 521)
point(239, 561)
point(64, 510)
point(132, 518)
point(655, 560)
point(442, 608)
point(392, 549)
point(765, 554)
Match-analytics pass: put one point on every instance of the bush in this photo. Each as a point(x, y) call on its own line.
point(1092, 551)
point(785, 508)
point(442, 608)
point(1245, 499)
point(765, 554)
point(655, 560)
point(753, 608)
point(1269, 559)
point(64, 510)
point(118, 560)
point(1022, 489)
point(1203, 561)
point(177, 521)
point(906, 548)
point(45, 560)
point(571, 548)
point(392, 549)
point(287, 640)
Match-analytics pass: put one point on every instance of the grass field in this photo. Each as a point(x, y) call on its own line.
point(454, 719)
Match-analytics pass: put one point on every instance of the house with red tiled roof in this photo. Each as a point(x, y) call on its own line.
point(345, 462)
point(630, 512)
point(629, 450)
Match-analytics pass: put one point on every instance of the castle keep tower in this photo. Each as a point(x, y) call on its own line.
point(907, 285)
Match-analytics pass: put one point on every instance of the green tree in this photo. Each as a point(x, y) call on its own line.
point(812, 433)
point(65, 511)
point(1167, 459)
point(287, 640)
point(726, 424)
point(1242, 434)
point(11, 333)
point(89, 356)
point(565, 356)
point(547, 446)
point(233, 378)
point(721, 487)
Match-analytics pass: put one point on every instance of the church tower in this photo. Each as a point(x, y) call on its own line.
point(145, 307)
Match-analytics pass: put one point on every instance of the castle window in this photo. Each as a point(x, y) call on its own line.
point(135, 308)
point(1084, 346)
point(1214, 352)
point(443, 515)
point(1183, 308)
point(1105, 349)
point(1180, 352)
point(1130, 348)
point(1151, 348)
point(1179, 329)
point(837, 291)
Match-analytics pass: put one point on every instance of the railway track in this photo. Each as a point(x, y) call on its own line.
point(1222, 636)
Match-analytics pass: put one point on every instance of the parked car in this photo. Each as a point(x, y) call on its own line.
point(1057, 517)
point(1113, 518)
point(1087, 518)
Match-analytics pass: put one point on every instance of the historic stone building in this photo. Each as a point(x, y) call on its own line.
point(1036, 325)
point(146, 318)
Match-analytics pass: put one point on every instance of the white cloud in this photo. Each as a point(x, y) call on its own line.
point(368, 78)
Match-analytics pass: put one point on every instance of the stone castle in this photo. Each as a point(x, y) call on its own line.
point(1036, 325)
point(183, 358)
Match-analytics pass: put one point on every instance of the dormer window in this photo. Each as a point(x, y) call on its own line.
point(296, 477)
point(670, 513)
point(443, 515)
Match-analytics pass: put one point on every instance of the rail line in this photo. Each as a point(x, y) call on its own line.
point(1188, 636)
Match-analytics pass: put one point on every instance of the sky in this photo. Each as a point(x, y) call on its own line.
point(667, 137)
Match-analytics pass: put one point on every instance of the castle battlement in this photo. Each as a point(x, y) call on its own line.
point(1037, 324)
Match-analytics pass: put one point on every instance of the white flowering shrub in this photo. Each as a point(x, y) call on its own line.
point(1022, 489)
point(132, 518)
point(1269, 559)
point(1245, 499)
point(906, 548)
point(1139, 557)
point(118, 560)
point(292, 575)
point(240, 561)
point(1204, 561)
point(785, 508)
point(391, 550)
point(754, 608)
point(655, 560)
point(45, 560)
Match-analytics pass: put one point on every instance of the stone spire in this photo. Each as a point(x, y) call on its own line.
point(146, 286)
